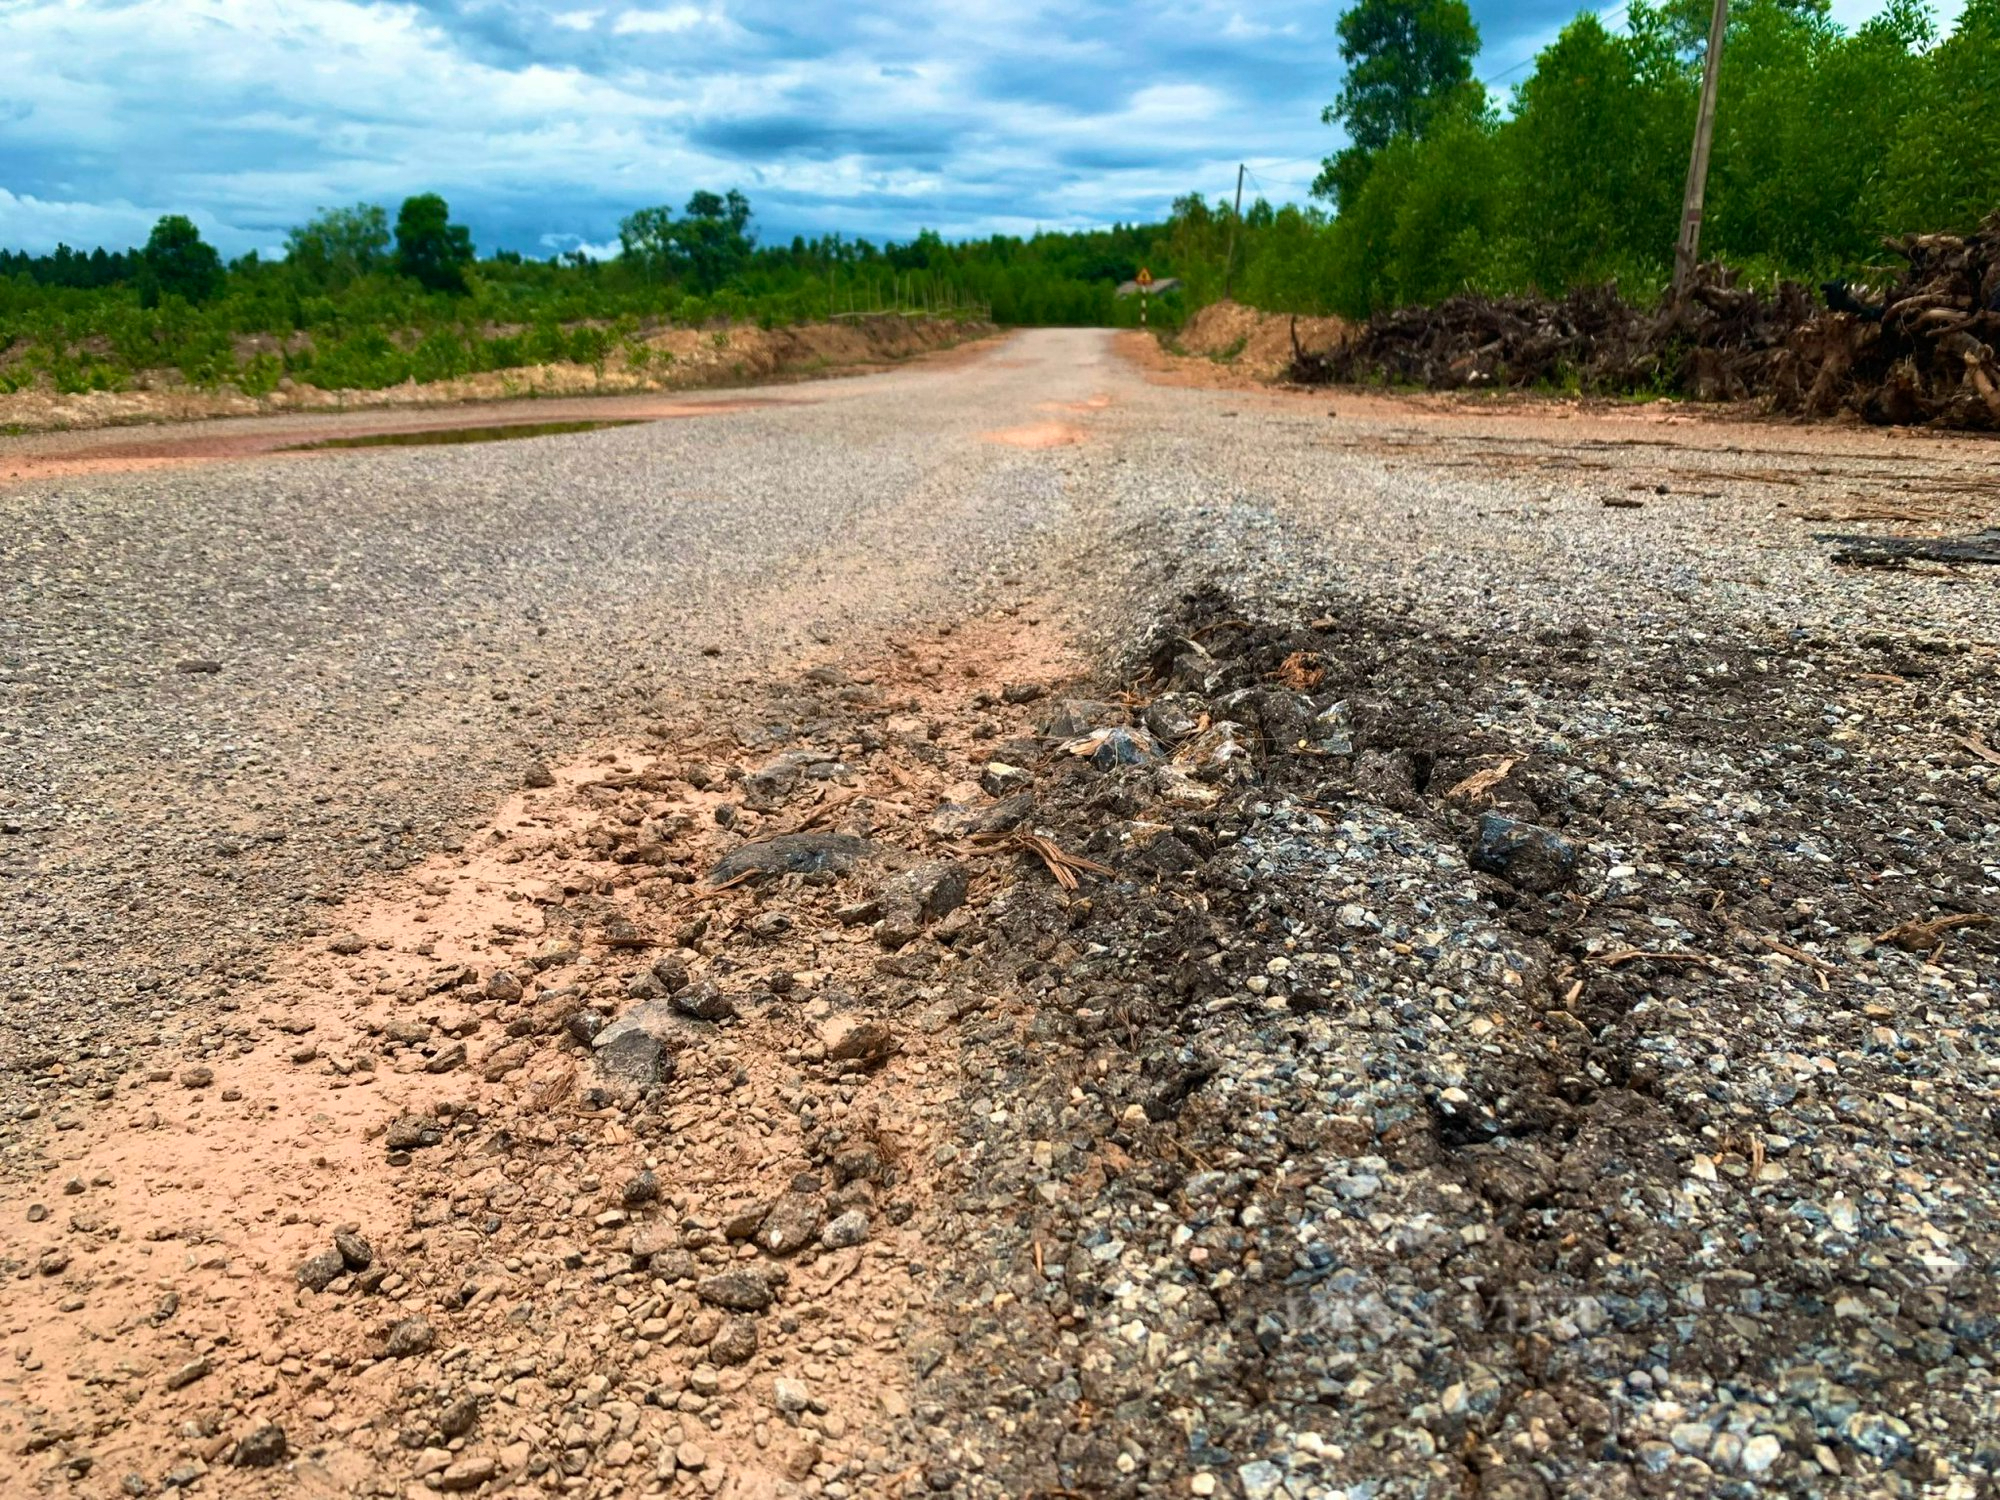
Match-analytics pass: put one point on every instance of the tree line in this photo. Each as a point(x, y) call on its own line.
point(1827, 140)
point(359, 300)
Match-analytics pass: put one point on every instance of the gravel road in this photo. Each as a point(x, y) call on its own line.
point(1335, 1140)
point(397, 635)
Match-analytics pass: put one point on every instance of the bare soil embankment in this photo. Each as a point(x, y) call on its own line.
point(1245, 342)
point(681, 359)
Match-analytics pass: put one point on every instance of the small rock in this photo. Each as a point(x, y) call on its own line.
point(790, 1396)
point(705, 1002)
point(1332, 730)
point(1879, 1436)
point(791, 1224)
point(640, 1189)
point(792, 854)
point(653, 1239)
point(409, 1337)
point(537, 776)
point(850, 1228)
point(1261, 1480)
point(355, 1252)
point(503, 986)
point(197, 1077)
point(188, 1373)
point(459, 1418)
point(634, 1056)
point(798, 1461)
point(1219, 753)
point(319, 1272)
point(411, 1132)
point(741, 1290)
point(507, 1058)
point(734, 1343)
point(347, 944)
point(999, 779)
point(1760, 1453)
point(467, 1474)
point(1175, 716)
point(199, 666)
point(261, 1449)
point(854, 1039)
point(1527, 856)
point(1074, 716)
point(932, 889)
point(1692, 1437)
point(1108, 749)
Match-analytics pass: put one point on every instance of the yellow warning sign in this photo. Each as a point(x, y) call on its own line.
point(1145, 277)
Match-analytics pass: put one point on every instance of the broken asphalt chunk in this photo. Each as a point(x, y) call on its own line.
point(791, 854)
point(1529, 857)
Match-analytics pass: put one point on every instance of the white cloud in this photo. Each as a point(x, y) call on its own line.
point(877, 117)
point(672, 20)
point(1241, 28)
point(42, 224)
point(564, 244)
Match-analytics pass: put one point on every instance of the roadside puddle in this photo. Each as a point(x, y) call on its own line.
point(498, 432)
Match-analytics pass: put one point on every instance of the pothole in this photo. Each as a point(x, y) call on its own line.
point(1036, 435)
point(425, 437)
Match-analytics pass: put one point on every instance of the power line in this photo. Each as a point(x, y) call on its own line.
point(1291, 161)
point(1605, 19)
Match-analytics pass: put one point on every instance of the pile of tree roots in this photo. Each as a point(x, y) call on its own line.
point(1918, 350)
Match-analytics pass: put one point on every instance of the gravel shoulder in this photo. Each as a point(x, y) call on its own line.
point(1498, 1003)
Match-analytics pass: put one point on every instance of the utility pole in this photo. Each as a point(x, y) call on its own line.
point(1688, 246)
point(1229, 255)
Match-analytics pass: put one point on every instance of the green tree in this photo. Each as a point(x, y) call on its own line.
point(1943, 168)
point(1596, 156)
point(338, 246)
point(1409, 62)
point(429, 247)
point(178, 262)
point(703, 247)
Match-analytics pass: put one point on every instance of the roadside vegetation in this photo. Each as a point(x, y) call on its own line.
point(359, 302)
point(1828, 139)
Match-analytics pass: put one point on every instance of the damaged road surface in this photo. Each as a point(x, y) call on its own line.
point(1259, 955)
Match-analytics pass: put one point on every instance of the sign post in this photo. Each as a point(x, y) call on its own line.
point(1145, 293)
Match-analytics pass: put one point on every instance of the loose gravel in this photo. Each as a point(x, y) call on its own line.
point(230, 693)
point(1531, 1038)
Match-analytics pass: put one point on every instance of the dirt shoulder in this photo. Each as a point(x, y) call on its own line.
point(680, 359)
point(1514, 417)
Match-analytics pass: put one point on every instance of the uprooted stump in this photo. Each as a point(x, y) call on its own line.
point(1921, 354)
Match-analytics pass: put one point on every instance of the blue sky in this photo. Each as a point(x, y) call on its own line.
point(544, 121)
